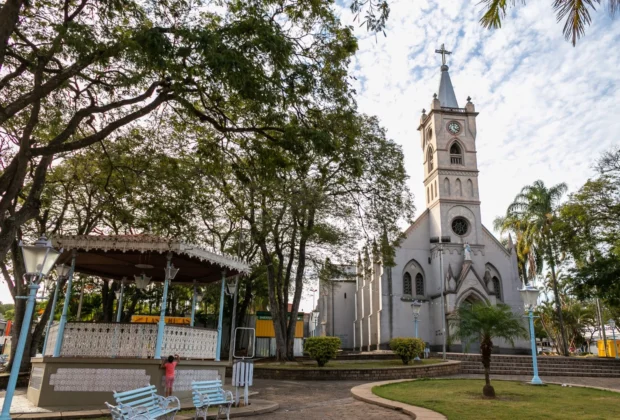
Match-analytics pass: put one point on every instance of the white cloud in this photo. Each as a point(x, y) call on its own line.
point(547, 110)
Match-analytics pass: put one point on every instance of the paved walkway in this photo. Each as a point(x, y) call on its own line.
point(318, 400)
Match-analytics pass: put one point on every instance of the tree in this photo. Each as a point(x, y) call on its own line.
point(588, 230)
point(75, 73)
point(488, 322)
point(78, 73)
point(332, 177)
point(535, 209)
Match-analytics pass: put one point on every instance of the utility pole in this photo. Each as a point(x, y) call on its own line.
point(601, 324)
point(441, 240)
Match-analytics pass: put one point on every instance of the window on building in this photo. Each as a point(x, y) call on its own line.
point(407, 290)
point(456, 154)
point(498, 288)
point(419, 285)
point(429, 158)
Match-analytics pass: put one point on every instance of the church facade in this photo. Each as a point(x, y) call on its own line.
point(447, 258)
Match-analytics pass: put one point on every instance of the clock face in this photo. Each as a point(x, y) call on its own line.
point(454, 127)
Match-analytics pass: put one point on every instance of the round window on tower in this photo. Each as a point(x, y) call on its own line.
point(460, 226)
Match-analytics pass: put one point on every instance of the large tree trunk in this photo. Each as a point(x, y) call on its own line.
point(486, 347)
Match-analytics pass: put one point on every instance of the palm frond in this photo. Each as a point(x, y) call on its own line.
point(495, 12)
point(577, 15)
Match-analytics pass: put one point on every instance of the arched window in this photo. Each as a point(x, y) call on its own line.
point(498, 288)
point(456, 155)
point(458, 190)
point(428, 196)
point(429, 158)
point(419, 284)
point(470, 188)
point(407, 284)
point(446, 186)
point(436, 188)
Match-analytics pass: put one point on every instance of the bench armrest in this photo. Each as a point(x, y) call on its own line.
point(204, 398)
point(165, 402)
point(228, 396)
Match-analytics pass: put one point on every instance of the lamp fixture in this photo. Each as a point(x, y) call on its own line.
point(40, 257)
point(62, 270)
point(171, 272)
point(142, 281)
point(529, 294)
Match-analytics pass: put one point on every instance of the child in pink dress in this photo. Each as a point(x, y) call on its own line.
point(170, 365)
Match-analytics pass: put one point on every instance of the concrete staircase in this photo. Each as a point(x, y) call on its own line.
point(547, 365)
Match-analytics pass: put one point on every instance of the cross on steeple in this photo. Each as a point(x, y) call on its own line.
point(443, 53)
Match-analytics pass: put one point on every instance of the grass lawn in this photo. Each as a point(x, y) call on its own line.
point(461, 399)
point(346, 364)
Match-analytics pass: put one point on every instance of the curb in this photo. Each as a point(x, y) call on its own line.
point(265, 407)
point(364, 393)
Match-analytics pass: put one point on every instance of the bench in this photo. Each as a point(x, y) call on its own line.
point(143, 404)
point(207, 394)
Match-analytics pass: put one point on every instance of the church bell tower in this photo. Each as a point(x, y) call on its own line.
point(448, 140)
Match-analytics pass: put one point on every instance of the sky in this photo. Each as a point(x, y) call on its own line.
point(547, 109)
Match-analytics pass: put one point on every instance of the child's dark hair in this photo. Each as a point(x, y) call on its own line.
point(170, 359)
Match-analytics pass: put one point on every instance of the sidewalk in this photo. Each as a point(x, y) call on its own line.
point(23, 409)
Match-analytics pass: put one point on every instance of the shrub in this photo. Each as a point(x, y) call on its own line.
point(322, 349)
point(407, 348)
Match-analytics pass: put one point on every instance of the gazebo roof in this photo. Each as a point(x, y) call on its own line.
point(119, 256)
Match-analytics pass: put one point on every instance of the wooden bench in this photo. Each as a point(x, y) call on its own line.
point(207, 394)
point(143, 404)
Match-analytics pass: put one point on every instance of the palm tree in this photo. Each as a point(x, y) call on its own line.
point(575, 12)
point(535, 209)
point(487, 323)
point(528, 257)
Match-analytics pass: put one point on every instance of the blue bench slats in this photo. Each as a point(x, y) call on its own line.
point(143, 404)
point(207, 394)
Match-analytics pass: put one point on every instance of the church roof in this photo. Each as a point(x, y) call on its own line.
point(446, 95)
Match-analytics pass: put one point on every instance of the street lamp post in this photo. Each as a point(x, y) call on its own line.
point(612, 324)
point(39, 260)
point(530, 299)
point(415, 307)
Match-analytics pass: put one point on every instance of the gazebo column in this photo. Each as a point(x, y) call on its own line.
point(220, 318)
point(65, 308)
point(162, 313)
point(119, 310)
point(191, 322)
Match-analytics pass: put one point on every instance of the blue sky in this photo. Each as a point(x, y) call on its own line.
point(547, 109)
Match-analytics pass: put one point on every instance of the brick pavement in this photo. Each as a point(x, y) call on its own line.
point(318, 400)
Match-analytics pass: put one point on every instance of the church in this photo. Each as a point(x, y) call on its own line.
point(447, 257)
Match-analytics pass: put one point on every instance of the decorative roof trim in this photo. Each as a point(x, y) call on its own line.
point(148, 243)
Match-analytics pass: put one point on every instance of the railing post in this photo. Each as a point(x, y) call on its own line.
point(191, 322)
point(52, 313)
point(65, 308)
point(162, 314)
point(220, 318)
point(119, 310)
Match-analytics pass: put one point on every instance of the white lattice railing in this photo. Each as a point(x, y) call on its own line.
point(109, 339)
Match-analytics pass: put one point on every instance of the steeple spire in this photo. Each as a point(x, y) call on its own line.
point(447, 98)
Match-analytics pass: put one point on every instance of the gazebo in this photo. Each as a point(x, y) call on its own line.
point(83, 362)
